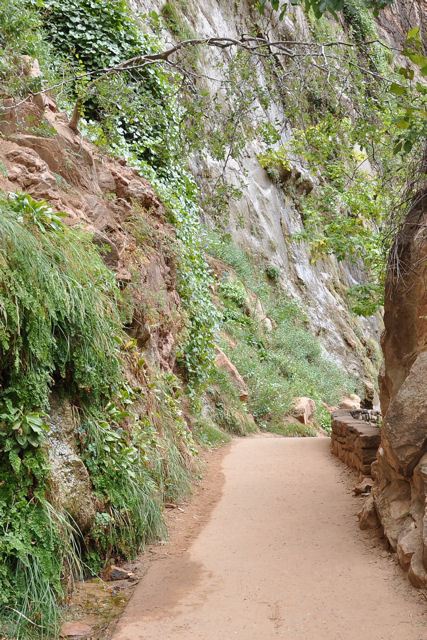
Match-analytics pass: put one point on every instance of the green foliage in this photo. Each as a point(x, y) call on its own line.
point(272, 272)
point(411, 117)
point(280, 364)
point(138, 458)
point(362, 29)
point(137, 115)
point(94, 32)
point(208, 434)
point(233, 290)
point(34, 549)
point(39, 214)
point(58, 308)
point(58, 324)
point(225, 407)
point(343, 215)
point(294, 430)
point(20, 35)
point(272, 157)
point(319, 7)
point(20, 431)
point(173, 14)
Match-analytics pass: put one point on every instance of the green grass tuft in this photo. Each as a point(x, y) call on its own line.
point(208, 434)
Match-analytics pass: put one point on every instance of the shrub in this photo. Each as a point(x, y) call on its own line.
point(272, 272)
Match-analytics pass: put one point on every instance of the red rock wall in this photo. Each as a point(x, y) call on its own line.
point(400, 472)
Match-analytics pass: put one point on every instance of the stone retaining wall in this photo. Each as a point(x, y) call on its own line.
point(354, 441)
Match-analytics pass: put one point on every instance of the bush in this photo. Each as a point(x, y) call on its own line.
point(272, 272)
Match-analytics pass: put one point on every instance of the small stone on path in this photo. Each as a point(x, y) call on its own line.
point(76, 630)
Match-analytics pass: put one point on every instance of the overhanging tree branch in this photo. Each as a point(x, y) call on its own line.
point(258, 46)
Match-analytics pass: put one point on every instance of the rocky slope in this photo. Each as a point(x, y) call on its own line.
point(263, 220)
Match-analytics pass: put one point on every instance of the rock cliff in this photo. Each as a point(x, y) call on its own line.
point(400, 492)
point(265, 217)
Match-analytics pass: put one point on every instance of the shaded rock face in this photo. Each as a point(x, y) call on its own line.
point(400, 491)
point(71, 487)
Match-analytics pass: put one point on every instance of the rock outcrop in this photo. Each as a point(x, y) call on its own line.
point(71, 486)
point(265, 218)
point(400, 491)
point(224, 363)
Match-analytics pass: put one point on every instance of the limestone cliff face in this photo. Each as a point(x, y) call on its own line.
point(264, 219)
point(401, 469)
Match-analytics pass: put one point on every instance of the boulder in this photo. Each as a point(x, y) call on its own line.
point(71, 485)
point(303, 408)
point(350, 402)
point(224, 363)
point(368, 400)
point(368, 518)
point(76, 630)
point(363, 487)
point(116, 573)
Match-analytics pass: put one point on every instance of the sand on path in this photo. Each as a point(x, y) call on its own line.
point(279, 556)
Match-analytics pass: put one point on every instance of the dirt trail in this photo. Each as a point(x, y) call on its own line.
point(279, 557)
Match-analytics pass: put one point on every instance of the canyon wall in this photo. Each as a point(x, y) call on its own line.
point(265, 218)
point(400, 492)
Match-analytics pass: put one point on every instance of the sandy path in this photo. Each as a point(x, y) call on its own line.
point(279, 557)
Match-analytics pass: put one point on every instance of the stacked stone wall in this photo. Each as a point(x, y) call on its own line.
point(354, 440)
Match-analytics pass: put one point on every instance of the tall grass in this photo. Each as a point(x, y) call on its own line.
point(58, 313)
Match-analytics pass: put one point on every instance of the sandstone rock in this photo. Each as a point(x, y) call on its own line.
point(407, 545)
point(76, 630)
point(368, 518)
point(116, 573)
point(109, 250)
point(349, 402)
point(225, 364)
point(365, 486)
point(303, 408)
point(400, 490)
point(368, 395)
point(405, 425)
point(417, 573)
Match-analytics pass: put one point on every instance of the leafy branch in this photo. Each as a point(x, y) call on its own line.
point(315, 54)
point(319, 7)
